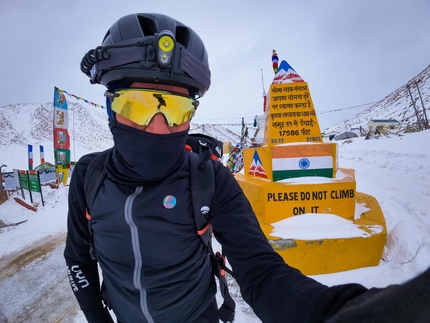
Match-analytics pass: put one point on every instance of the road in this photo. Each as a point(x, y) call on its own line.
point(40, 274)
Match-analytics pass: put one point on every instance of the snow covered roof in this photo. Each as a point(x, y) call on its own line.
point(384, 120)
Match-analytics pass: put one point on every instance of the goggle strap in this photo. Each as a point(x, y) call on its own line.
point(111, 95)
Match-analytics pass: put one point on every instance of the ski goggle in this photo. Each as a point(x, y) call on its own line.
point(140, 105)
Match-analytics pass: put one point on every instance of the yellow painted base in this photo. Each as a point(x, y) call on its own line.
point(323, 256)
point(275, 201)
point(326, 256)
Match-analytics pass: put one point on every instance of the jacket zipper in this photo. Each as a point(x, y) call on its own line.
point(137, 273)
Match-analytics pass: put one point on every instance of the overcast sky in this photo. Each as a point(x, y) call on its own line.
point(349, 52)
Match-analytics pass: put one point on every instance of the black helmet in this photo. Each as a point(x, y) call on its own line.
point(149, 47)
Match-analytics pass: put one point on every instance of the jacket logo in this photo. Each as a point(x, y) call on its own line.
point(205, 210)
point(169, 202)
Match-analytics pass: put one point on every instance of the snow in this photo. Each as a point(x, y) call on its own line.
point(313, 226)
point(48, 220)
point(394, 169)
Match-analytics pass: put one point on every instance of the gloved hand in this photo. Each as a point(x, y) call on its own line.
point(408, 302)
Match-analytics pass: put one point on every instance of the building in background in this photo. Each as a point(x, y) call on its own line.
point(382, 124)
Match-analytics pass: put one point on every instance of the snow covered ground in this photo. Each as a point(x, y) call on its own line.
point(395, 170)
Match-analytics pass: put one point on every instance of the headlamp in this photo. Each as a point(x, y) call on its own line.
point(165, 43)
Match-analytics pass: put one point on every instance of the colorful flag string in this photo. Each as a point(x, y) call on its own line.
point(336, 110)
point(79, 98)
point(249, 125)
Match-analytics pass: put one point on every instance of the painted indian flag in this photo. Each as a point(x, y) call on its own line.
point(302, 160)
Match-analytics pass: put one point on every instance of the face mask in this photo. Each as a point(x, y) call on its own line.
point(141, 155)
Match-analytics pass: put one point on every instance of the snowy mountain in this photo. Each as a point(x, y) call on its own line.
point(219, 132)
point(24, 124)
point(397, 105)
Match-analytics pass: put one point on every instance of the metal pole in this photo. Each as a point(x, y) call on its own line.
point(415, 108)
point(74, 149)
point(262, 82)
point(29, 188)
point(242, 133)
point(40, 188)
point(424, 109)
point(1, 177)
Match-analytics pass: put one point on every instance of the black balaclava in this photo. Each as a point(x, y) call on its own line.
point(139, 156)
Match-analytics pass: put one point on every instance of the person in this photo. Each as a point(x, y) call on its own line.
point(155, 267)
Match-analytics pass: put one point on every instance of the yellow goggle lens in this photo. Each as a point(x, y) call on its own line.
point(140, 106)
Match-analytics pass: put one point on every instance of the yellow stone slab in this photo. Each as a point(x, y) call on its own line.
point(325, 256)
point(275, 201)
point(291, 115)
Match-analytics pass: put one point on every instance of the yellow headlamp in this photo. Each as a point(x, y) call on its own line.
point(165, 44)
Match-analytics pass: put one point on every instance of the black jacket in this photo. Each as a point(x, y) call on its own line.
point(154, 265)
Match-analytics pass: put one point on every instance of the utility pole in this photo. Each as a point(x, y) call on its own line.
point(262, 82)
point(426, 122)
point(74, 135)
point(264, 93)
point(346, 127)
point(420, 123)
point(242, 133)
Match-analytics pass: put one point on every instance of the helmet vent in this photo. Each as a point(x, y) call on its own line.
point(147, 26)
point(106, 36)
point(182, 35)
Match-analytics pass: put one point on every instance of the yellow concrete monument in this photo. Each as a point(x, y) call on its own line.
point(307, 206)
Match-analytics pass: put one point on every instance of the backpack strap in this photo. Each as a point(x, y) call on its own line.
point(94, 178)
point(202, 191)
point(198, 140)
point(93, 181)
